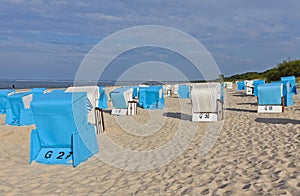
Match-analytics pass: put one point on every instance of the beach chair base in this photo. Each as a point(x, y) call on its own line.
point(205, 117)
point(83, 146)
point(249, 91)
point(119, 112)
point(26, 118)
point(270, 109)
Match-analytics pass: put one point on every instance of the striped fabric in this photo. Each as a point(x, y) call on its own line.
point(204, 97)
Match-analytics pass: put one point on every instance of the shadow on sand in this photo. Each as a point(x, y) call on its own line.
point(240, 110)
point(253, 103)
point(107, 111)
point(239, 95)
point(283, 121)
point(178, 115)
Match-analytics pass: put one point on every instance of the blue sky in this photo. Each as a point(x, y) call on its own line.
point(47, 39)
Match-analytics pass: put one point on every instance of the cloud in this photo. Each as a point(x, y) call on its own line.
point(249, 34)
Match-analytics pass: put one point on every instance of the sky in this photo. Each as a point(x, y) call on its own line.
point(48, 39)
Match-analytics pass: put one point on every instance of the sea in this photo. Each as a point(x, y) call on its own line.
point(27, 84)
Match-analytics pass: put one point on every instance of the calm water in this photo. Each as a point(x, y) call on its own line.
point(21, 84)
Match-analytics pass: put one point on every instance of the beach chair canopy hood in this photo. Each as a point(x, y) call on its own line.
point(184, 91)
point(120, 97)
point(20, 111)
point(38, 92)
point(4, 102)
point(270, 94)
point(241, 85)
point(92, 101)
point(205, 96)
point(151, 97)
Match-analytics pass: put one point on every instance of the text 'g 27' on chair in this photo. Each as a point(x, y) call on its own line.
point(62, 134)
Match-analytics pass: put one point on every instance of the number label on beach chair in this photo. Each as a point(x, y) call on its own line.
point(270, 109)
point(204, 117)
point(55, 155)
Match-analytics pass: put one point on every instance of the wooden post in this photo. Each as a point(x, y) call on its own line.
point(282, 104)
point(99, 120)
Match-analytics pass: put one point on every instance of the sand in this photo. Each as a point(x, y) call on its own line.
point(255, 154)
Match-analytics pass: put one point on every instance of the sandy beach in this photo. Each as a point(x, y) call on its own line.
point(255, 154)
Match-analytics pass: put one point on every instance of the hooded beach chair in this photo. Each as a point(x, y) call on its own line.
point(207, 102)
point(229, 85)
point(63, 134)
point(270, 98)
point(167, 89)
point(249, 87)
point(175, 89)
point(120, 98)
point(103, 98)
point(4, 102)
point(19, 113)
point(255, 85)
point(135, 93)
point(184, 91)
point(151, 97)
point(241, 85)
point(292, 81)
point(92, 99)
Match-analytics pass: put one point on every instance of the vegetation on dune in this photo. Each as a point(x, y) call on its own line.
point(286, 68)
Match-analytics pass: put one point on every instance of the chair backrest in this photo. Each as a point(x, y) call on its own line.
point(120, 97)
point(204, 97)
point(270, 94)
point(58, 115)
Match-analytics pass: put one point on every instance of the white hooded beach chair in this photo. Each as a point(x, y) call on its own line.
point(207, 104)
point(120, 98)
point(167, 90)
point(249, 87)
point(229, 85)
point(93, 95)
